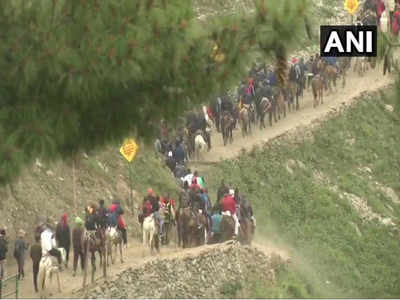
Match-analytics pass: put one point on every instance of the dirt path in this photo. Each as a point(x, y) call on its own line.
point(355, 85)
point(135, 254)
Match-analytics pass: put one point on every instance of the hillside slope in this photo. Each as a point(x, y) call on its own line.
point(47, 191)
point(331, 197)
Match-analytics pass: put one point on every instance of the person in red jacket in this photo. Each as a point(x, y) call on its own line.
point(122, 228)
point(228, 207)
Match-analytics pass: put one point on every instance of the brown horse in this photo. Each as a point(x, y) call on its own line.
point(317, 85)
point(246, 231)
point(94, 241)
point(227, 228)
point(227, 124)
point(331, 74)
point(186, 227)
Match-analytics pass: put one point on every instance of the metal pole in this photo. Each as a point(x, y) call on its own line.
point(16, 287)
point(130, 187)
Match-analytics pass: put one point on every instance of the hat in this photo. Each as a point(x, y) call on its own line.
point(78, 220)
point(21, 232)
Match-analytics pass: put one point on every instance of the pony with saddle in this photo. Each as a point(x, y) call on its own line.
point(113, 239)
point(49, 266)
point(151, 230)
point(94, 242)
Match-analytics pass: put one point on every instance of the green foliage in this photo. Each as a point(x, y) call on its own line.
point(335, 253)
point(79, 74)
point(230, 289)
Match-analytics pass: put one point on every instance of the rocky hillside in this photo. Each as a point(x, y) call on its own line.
point(214, 272)
point(47, 190)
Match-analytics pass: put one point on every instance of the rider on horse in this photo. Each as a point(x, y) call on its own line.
point(48, 244)
point(228, 206)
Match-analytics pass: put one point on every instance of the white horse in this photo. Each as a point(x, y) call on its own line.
point(113, 238)
point(48, 266)
point(150, 234)
point(200, 146)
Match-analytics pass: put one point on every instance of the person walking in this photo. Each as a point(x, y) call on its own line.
point(3, 252)
point(78, 244)
point(19, 253)
point(36, 256)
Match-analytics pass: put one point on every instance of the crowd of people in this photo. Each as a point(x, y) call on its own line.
point(49, 239)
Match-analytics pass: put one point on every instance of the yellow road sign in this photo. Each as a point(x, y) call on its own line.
point(351, 6)
point(129, 149)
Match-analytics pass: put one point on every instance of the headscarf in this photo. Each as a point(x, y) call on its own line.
point(150, 192)
point(64, 220)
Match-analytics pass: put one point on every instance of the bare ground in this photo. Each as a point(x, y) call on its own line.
point(135, 255)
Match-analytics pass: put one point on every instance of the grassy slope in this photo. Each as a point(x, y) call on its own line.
point(313, 221)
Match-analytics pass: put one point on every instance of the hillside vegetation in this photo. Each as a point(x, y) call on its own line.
point(331, 198)
point(46, 191)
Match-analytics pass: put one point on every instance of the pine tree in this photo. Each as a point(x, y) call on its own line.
point(78, 74)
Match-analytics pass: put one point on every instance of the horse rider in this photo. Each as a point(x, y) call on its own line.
point(155, 209)
point(247, 210)
point(206, 204)
point(63, 235)
point(48, 244)
point(103, 215)
point(91, 223)
point(91, 218)
point(222, 190)
point(146, 210)
point(228, 207)
point(216, 225)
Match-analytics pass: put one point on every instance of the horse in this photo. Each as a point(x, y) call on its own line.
point(49, 266)
point(331, 74)
point(227, 124)
point(265, 106)
point(344, 64)
point(151, 230)
point(360, 66)
point(201, 232)
point(94, 241)
point(317, 85)
point(280, 103)
point(200, 145)
point(113, 238)
point(244, 121)
point(227, 228)
point(187, 227)
point(293, 94)
point(246, 231)
point(168, 223)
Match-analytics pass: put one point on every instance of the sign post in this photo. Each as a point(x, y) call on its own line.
point(351, 6)
point(129, 150)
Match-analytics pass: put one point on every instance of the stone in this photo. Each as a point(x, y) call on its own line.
point(389, 108)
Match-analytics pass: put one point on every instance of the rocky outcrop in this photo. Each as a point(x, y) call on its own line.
point(199, 275)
